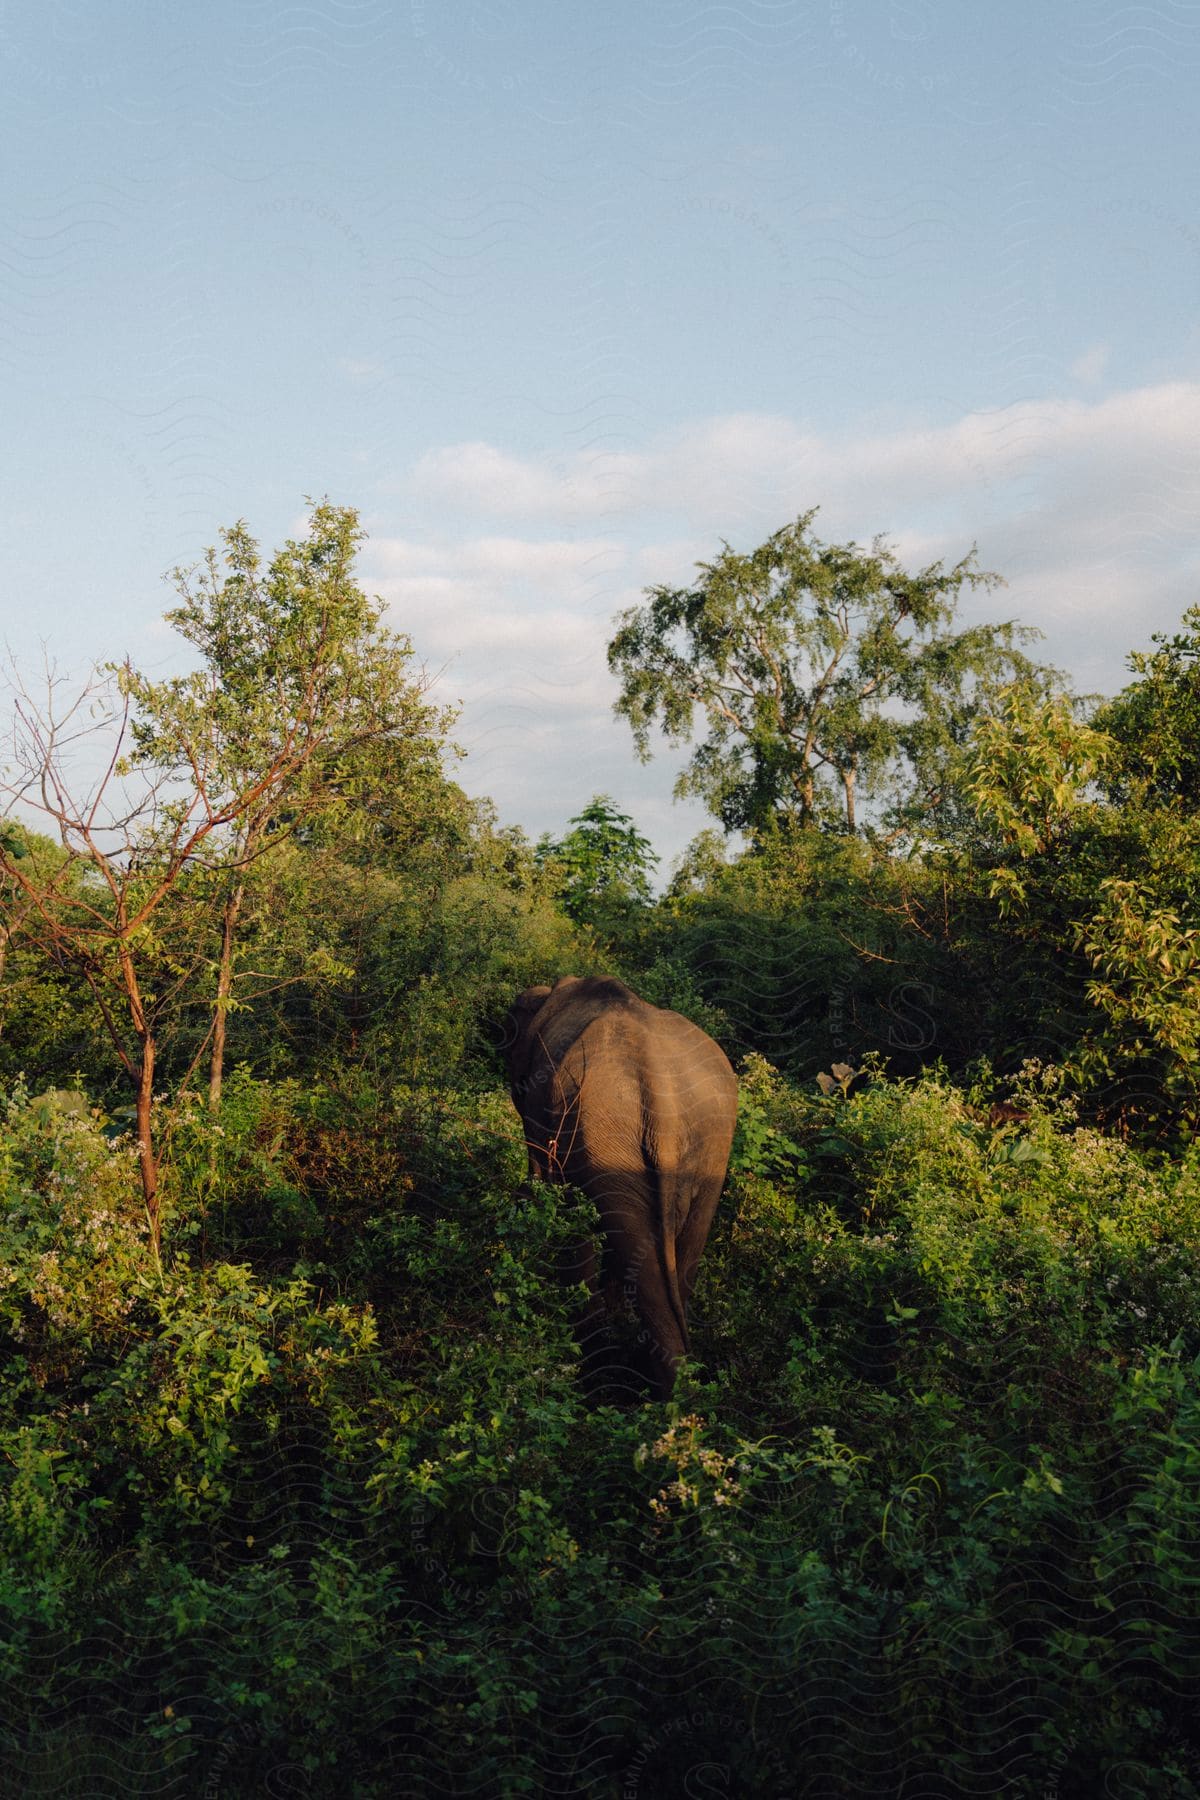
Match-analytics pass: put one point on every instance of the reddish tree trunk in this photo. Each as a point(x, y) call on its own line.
point(147, 1160)
point(216, 1067)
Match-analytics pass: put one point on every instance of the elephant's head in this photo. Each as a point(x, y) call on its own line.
point(519, 1037)
point(514, 1036)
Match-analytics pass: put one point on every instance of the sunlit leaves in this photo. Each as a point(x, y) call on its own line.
point(1031, 763)
point(602, 860)
point(824, 673)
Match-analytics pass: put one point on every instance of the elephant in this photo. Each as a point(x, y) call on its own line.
point(636, 1106)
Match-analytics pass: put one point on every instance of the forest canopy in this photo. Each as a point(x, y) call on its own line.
point(297, 1470)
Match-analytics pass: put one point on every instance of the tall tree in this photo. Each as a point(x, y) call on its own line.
point(1156, 721)
point(602, 860)
point(304, 706)
point(300, 676)
point(1092, 851)
point(119, 906)
point(825, 674)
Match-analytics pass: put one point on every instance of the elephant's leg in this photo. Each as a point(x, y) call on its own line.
point(633, 1278)
point(659, 1341)
point(600, 1365)
point(689, 1245)
point(662, 1353)
point(663, 1337)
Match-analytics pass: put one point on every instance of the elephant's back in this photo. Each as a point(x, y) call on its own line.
point(680, 1080)
point(698, 1068)
point(630, 1029)
point(596, 1034)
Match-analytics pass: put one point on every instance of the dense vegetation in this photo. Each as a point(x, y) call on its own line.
point(299, 1490)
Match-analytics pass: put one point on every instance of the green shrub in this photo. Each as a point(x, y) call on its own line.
point(926, 1497)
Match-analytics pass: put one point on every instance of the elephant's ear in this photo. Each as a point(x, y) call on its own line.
point(515, 1039)
point(502, 1027)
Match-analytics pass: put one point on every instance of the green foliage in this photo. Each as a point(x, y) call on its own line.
point(1148, 965)
point(48, 1019)
point(1099, 895)
point(1156, 722)
point(602, 867)
point(435, 951)
point(824, 672)
point(760, 1147)
point(939, 1439)
point(315, 1499)
point(818, 948)
point(1031, 761)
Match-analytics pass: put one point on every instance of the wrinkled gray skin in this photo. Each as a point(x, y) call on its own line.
point(636, 1106)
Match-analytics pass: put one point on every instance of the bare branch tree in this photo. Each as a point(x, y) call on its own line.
point(124, 904)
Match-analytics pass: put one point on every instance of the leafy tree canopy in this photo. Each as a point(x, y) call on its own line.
point(299, 673)
point(304, 719)
point(823, 671)
point(1156, 721)
point(602, 859)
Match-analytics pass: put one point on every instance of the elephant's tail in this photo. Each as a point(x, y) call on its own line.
point(668, 1196)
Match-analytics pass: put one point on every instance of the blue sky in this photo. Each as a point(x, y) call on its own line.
point(561, 297)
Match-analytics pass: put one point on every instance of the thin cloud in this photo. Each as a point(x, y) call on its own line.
point(1092, 366)
point(718, 470)
point(1086, 506)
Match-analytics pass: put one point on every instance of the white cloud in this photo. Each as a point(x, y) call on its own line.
point(360, 369)
point(1092, 366)
point(722, 473)
point(537, 562)
point(1087, 506)
point(515, 625)
point(480, 478)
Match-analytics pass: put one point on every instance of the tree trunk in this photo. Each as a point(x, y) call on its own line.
point(142, 1074)
point(848, 783)
point(216, 1067)
point(147, 1161)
